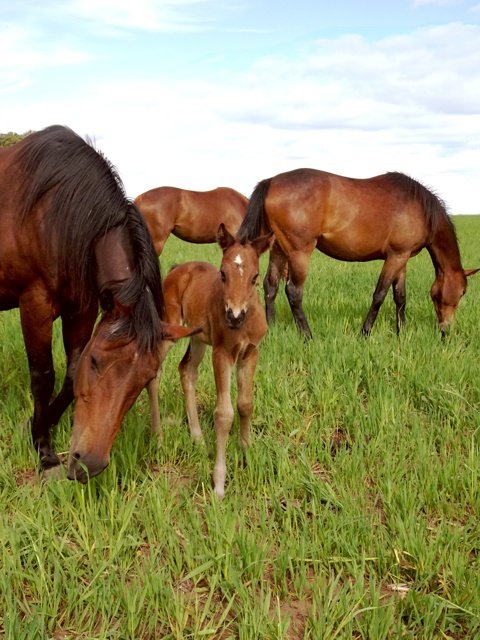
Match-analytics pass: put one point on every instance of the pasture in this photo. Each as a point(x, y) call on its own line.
point(355, 514)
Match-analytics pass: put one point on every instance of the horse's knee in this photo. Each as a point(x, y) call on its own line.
point(244, 408)
point(223, 418)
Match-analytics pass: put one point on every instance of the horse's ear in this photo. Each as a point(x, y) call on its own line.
point(264, 243)
point(107, 301)
point(470, 272)
point(224, 238)
point(175, 331)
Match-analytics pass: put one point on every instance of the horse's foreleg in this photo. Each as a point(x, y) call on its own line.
point(392, 266)
point(245, 372)
point(37, 320)
point(400, 297)
point(276, 267)
point(188, 369)
point(76, 330)
point(223, 417)
point(297, 274)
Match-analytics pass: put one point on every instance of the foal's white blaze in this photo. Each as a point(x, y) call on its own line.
point(239, 262)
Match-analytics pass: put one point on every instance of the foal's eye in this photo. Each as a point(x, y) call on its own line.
point(222, 275)
point(254, 279)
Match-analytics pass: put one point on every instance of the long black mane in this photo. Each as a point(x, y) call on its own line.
point(85, 200)
point(433, 207)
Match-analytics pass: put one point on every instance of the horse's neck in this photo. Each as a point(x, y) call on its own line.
point(114, 258)
point(444, 249)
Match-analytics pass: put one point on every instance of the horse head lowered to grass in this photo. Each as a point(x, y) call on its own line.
point(225, 304)
point(71, 242)
point(390, 217)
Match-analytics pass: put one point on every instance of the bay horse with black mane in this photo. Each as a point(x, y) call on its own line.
point(193, 216)
point(225, 304)
point(390, 217)
point(71, 241)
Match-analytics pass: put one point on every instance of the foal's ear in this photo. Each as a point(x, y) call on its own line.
point(470, 272)
point(175, 331)
point(264, 243)
point(224, 238)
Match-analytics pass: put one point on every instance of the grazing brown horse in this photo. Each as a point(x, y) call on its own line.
point(70, 241)
point(192, 216)
point(226, 305)
point(390, 217)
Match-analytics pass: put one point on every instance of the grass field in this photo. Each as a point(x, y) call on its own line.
point(355, 514)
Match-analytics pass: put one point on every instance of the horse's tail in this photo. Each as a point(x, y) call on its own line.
point(255, 222)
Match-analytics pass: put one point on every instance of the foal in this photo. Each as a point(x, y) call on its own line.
point(226, 305)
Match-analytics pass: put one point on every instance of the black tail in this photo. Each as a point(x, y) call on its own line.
point(255, 222)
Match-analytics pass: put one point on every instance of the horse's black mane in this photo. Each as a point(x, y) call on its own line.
point(87, 199)
point(432, 205)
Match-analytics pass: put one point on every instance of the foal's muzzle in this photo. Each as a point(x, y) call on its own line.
point(235, 321)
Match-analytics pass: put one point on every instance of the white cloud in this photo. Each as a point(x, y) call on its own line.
point(347, 105)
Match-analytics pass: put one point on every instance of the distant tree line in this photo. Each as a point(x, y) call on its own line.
point(7, 139)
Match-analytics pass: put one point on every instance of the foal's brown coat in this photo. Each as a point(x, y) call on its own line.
point(226, 305)
point(193, 216)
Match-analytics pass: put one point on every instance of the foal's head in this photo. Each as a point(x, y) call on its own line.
point(239, 273)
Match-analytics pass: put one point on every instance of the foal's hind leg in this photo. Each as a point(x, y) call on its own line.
point(392, 268)
point(297, 274)
point(153, 387)
point(276, 267)
point(188, 369)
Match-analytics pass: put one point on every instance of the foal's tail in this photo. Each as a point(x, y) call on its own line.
point(255, 222)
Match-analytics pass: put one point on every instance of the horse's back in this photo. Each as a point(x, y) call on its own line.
point(353, 219)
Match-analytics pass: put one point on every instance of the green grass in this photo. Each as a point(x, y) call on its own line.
point(353, 515)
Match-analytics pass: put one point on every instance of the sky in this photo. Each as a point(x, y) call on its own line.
point(205, 93)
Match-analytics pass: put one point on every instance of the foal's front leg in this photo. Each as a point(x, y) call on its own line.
point(245, 372)
point(223, 416)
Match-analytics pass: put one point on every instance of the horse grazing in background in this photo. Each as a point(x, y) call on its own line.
point(192, 216)
point(390, 217)
point(70, 241)
point(226, 305)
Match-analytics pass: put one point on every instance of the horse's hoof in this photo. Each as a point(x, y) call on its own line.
point(54, 473)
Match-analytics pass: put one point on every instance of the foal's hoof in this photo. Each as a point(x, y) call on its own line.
point(54, 473)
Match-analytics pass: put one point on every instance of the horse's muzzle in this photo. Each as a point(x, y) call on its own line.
point(82, 467)
point(233, 321)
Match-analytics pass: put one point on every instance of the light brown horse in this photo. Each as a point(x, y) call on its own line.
point(192, 216)
point(226, 305)
point(71, 243)
point(390, 217)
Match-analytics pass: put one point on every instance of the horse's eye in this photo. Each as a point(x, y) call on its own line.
point(222, 275)
point(254, 279)
point(94, 363)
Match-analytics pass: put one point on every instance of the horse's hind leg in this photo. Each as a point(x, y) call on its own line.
point(297, 274)
point(400, 297)
point(276, 267)
point(392, 268)
point(245, 372)
point(188, 369)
